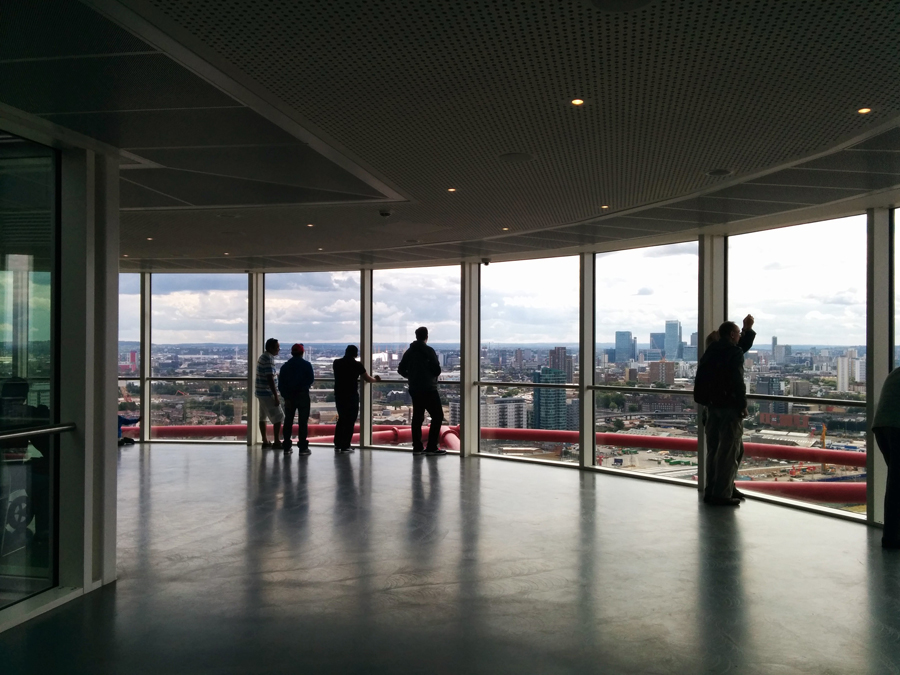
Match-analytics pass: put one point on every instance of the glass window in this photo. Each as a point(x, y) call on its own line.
point(318, 309)
point(646, 318)
point(27, 260)
point(199, 325)
point(402, 301)
point(196, 409)
point(199, 352)
point(321, 310)
point(811, 343)
point(529, 335)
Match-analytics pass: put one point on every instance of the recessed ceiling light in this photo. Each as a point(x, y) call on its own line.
point(124, 255)
point(224, 254)
point(577, 101)
point(505, 229)
point(149, 238)
point(451, 189)
point(718, 173)
point(310, 225)
point(864, 111)
point(605, 206)
point(321, 249)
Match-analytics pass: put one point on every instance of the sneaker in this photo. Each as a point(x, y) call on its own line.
point(420, 451)
point(435, 452)
point(277, 445)
point(737, 494)
point(288, 450)
point(266, 445)
point(304, 451)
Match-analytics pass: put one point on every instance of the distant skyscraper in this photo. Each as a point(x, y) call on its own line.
point(570, 369)
point(772, 386)
point(689, 353)
point(695, 339)
point(658, 341)
point(663, 371)
point(673, 339)
point(549, 404)
point(624, 346)
point(519, 358)
point(844, 365)
point(557, 358)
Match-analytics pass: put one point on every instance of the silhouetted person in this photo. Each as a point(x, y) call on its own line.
point(124, 421)
point(722, 367)
point(347, 371)
point(420, 366)
point(886, 427)
point(267, 394)
point(294, 381)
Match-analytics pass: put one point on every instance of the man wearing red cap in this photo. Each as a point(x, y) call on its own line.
point(294, 380)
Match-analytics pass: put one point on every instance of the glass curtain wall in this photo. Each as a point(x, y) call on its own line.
point(129, 357)
point(646, 351)
point(198, 386)
point(321, 310)
point(28, 466)
point(529, 359)
point(402, 301)
point(806, 373)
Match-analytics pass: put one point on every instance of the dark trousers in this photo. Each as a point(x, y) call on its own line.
point(430, 401)
point(889, 443)
point(300, 406)
point(724, 450)
point(348, 411)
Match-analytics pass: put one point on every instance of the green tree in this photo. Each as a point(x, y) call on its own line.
point(633, 408)
point(618, 424)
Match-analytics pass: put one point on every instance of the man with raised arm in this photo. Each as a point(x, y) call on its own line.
point(722, 366)
point(420, 366)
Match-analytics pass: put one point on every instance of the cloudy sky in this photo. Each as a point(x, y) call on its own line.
point(805, 284)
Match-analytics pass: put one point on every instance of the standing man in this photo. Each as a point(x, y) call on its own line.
point(723, 368)
point(347, 371)
point(267, 394)
point(421, 367)
point(294, 381)
point(886, 427)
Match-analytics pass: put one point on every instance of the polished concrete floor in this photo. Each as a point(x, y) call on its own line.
point(378, 562)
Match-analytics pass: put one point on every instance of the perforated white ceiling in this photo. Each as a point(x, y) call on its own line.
point(475, 95)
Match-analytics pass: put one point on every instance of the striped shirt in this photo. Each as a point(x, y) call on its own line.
point(265, 367)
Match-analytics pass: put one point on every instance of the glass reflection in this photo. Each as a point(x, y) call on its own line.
point(27, 389)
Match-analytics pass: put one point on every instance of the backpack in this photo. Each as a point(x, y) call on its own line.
point(704, 381)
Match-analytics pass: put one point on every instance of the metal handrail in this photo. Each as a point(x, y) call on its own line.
point(758, 397)
point(36, 431)
point(527, 385)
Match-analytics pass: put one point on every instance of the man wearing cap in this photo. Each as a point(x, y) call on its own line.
point(267, 394)
point(294, 381)
point(421, 367)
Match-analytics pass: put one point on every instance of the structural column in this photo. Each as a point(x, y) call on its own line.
point(587, 360)
point(879, 357)
point(365, 356)
point(712, 306)
point(88, 365)
point(470, 359)
point(145, 369)
point(256, 287)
